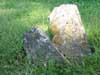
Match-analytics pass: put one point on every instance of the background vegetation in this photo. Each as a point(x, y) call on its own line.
point(18, 16)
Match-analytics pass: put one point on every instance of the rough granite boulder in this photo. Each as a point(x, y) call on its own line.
point(39, 48)
point(69, 37)
point(68, 31)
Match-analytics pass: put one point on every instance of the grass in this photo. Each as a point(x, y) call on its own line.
point(18, 16)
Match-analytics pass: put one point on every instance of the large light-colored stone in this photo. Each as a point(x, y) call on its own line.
point(68, 31)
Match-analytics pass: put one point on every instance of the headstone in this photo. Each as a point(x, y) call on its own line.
point(68, 31)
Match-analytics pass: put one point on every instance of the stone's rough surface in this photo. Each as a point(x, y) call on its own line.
point(68, 31)
point(69, 38)
point(38, 47)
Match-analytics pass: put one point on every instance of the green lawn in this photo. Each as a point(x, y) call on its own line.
point(18, 16)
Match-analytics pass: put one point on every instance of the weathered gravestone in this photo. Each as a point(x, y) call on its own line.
point(68, 31)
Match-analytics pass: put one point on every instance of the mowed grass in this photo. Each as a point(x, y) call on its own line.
point(18, 16)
